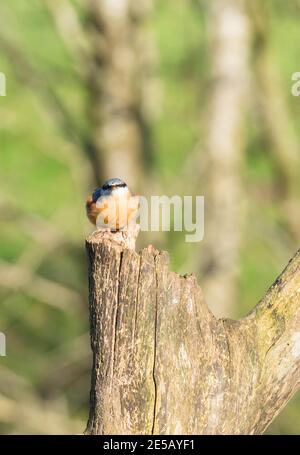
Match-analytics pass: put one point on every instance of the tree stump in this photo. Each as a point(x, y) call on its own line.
point(163, 364)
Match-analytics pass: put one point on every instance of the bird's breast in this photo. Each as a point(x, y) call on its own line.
point(116, 211)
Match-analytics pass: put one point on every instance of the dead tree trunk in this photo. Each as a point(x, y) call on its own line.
point(163, 364)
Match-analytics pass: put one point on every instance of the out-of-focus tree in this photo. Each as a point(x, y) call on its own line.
point(119, 80)
point(277, 125)
point(230, 46)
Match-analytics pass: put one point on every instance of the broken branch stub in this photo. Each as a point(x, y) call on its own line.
point(163, 364)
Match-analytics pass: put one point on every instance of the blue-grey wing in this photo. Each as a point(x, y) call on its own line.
point(97, 193)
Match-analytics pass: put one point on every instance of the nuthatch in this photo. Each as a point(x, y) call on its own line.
point(112, 206)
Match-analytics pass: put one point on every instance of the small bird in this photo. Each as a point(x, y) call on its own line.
point(112, 206)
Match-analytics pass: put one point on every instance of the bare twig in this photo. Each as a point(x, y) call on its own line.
point(54, 294)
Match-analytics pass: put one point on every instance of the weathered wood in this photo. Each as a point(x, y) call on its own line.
point(163, 364)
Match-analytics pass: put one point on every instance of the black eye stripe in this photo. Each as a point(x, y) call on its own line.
point(119, 185)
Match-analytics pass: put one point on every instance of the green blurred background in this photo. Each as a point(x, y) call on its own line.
point(186, 97)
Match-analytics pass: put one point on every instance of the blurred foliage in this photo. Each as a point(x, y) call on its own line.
point(44, 379)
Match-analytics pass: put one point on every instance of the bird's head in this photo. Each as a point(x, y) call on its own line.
point(116, 187)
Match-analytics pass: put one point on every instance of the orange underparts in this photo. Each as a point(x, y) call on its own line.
point(93, 211)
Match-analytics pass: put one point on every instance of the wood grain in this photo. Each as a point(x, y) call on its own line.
point(163, 364)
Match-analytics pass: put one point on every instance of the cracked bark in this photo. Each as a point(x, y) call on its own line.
point(164, 364)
